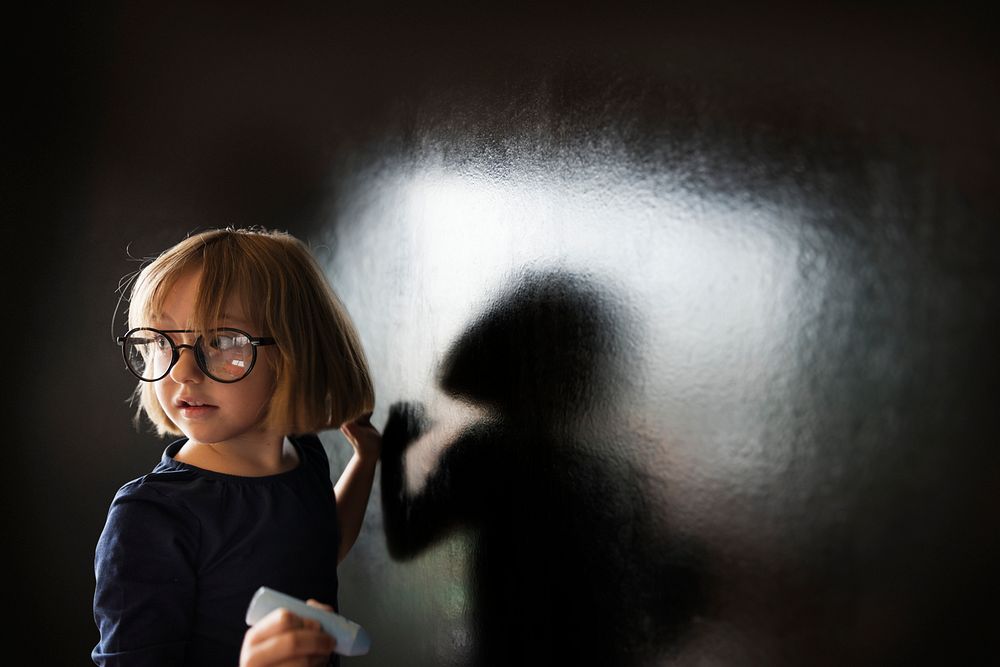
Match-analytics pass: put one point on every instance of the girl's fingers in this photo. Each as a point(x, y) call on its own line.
point(278, 621)
point(319, 605)
point(365, 438)
point(358, 426)
point(294, 644)
point(356, 434)
point(283, 639)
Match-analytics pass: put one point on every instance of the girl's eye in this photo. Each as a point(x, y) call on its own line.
point(161, 343)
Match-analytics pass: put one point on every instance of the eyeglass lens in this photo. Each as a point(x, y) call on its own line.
point(222, 355)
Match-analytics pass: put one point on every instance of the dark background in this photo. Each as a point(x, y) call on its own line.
point(708, 293)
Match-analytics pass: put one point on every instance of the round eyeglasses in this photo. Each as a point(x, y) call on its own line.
point(224, 354)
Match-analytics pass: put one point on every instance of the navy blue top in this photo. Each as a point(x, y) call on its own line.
point(184, 549)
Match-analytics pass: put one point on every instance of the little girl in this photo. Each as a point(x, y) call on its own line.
point(242, 348)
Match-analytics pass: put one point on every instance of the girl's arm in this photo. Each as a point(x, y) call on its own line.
point(355, 484)
point(146, 584)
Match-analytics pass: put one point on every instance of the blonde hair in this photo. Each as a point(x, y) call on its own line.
point(322, 376)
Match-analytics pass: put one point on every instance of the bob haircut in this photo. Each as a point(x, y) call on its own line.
point(321, 373)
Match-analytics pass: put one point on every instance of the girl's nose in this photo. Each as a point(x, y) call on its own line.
point(186, 369)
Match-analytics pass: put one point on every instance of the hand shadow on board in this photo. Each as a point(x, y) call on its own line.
point(572, 560)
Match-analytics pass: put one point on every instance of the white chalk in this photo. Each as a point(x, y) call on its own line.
point(351, 637)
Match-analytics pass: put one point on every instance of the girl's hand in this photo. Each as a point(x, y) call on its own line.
point(364, 437)
point(282, 638)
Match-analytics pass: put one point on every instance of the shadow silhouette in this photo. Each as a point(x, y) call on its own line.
point(572, 559)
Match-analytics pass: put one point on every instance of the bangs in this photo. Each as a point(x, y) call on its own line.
point(225, 282)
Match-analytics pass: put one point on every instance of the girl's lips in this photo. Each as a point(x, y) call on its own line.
point(194, 411)
point(192, 408)
point(192, 403)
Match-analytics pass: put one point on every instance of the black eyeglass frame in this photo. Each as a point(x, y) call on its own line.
point(199, 357)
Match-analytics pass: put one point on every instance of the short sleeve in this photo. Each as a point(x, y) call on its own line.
point(145, 594)
point(315, 459)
